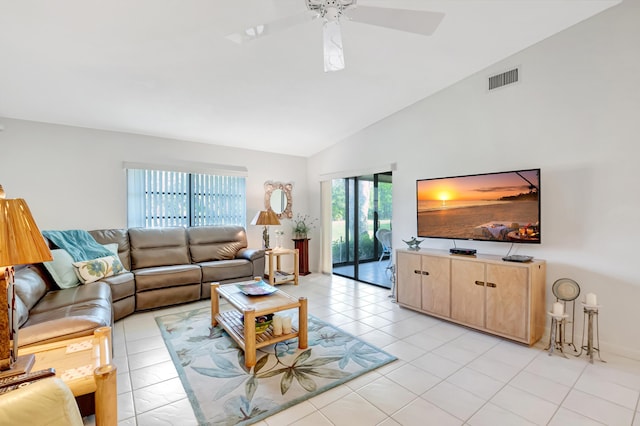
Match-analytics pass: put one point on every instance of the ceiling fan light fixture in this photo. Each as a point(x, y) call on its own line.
point(332, 42)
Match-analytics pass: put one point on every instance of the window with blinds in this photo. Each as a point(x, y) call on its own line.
point(159, 198)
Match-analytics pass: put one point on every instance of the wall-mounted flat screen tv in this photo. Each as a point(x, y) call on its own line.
point(503, 206)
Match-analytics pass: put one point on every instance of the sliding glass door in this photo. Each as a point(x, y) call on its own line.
point(360, 206)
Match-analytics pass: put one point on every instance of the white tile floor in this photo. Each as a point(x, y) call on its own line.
point(445, 375)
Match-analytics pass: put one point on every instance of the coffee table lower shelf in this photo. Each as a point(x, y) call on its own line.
point(231, 321)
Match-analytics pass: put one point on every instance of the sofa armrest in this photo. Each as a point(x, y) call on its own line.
point(45, 402)
point(250, 254)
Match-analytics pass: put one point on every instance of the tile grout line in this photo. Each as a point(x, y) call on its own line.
point(507, 384)
point(567, 395)
point(454, 372)
point(489, 400)
point(328, 297)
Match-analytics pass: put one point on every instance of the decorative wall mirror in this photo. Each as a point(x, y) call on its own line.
point(277, 197)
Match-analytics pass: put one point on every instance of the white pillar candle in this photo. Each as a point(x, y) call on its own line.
point(558, 308)
point(286, 325)
point(592, 300)
point(277, 325)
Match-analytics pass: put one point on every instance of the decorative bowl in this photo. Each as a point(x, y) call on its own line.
point(263, 322)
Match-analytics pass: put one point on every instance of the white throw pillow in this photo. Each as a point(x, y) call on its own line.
point(61, 269)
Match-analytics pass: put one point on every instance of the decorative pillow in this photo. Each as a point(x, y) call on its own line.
point(61, 269)
point(113, 248)
point(89, 271)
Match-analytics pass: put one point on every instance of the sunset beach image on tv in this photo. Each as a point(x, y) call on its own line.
point(502, 206)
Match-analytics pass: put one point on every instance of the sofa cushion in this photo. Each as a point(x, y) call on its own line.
point(152, 247)
point(30, 285)
point(22, 313)
point(66, 322)
point(222, 270)
point(61, 269)
point(207, 243)
point(123, 308)
point(122, 285)
point(112, 247)
point(70, 297)
point(117, 236)
point(167, 296)
point(89, 271)
point(167, 276)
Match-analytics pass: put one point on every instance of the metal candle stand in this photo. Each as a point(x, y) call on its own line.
point(590, 311)
point(557, 333)
point(566, 292)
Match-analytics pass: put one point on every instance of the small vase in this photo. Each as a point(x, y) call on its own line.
point(301, 236)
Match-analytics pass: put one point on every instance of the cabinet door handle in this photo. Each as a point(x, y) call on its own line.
point(425, 272)
point(415, 271)
point(480, 283)
point(491, 285)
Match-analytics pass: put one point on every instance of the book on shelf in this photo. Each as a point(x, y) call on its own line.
point(282, 276)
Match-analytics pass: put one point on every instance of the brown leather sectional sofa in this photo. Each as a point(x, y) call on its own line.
point(166, 266)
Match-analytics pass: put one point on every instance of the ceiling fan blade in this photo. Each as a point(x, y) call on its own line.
point(332, 41)
point(412, 21)
point(272, 27)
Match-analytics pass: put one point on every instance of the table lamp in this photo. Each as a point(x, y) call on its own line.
point(266, 218)
point(20, 243)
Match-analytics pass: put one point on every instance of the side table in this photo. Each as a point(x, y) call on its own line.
point(84, 364)
point(276, 275)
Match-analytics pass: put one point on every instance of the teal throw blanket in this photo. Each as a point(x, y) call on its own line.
point(78, 243)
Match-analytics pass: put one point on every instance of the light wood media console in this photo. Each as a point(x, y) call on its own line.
point(484, 292)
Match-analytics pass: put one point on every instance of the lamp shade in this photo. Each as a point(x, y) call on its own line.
point(20, 239)
point(266, 217)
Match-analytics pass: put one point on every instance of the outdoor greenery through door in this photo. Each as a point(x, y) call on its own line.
point(360, 206)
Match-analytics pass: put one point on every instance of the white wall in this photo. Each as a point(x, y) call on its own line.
point(576, 115)
point(73, 178)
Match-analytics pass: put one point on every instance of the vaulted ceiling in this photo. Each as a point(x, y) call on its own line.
point(164, 68)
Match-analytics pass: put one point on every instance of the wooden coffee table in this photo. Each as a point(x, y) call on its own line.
point(250, 307)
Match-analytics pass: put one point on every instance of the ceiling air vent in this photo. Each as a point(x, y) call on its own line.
point(499, 80)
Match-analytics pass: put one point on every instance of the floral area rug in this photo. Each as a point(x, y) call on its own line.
point(223, 391)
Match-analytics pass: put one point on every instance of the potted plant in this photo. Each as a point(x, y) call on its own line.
point(302, 225)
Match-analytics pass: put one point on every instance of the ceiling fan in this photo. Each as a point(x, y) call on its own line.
point(331, 11)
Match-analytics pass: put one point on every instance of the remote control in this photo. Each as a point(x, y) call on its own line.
point(26, 377)
point(518, 258)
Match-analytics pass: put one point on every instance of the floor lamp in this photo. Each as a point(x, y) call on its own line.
point(20, 243)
